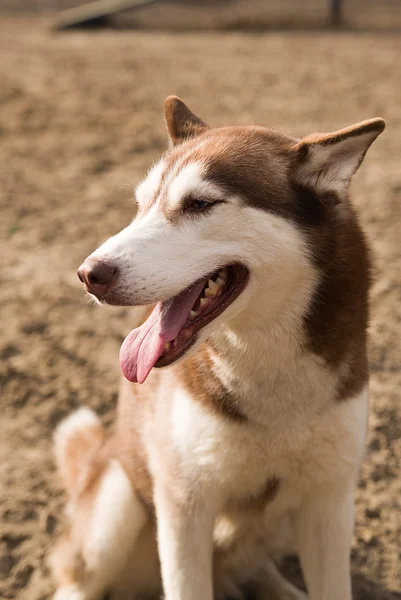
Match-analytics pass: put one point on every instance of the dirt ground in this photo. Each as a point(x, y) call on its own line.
point(80, 122)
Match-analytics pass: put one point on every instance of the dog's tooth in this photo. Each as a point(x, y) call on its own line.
point(167, 346)
point(213, 286)
point(203, 301)
point(223, 273)
point(193, 314)
point(220, 281)
point(209, 293)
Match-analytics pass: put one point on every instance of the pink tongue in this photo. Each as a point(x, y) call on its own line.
point(144, 345)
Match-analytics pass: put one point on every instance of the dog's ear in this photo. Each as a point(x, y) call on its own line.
point(77, 441)
point(326, 162)
point(181, 123)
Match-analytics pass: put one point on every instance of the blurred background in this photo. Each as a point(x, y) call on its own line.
point(80, 122)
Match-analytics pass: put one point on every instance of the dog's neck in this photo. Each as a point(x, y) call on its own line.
point(269, 331)
point(262, 352)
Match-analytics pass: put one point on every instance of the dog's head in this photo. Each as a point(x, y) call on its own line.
point(226, 221)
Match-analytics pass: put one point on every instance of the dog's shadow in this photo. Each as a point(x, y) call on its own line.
point(363, 588)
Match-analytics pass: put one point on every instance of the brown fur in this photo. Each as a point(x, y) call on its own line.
point(181, 122)
point(198, 378)
point(80, 457)
point(67, 561)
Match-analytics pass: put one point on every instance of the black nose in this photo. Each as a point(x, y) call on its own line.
point(97, 276)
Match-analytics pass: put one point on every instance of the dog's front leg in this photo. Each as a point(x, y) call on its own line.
point(185, 538)
point(323, 532)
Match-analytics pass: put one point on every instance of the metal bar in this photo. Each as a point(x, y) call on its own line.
point(95, 11)
point(336, 14)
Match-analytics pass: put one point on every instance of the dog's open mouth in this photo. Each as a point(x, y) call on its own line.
point(172, 327)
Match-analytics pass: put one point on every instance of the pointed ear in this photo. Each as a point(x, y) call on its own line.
point(181, 123)
point(326, 162)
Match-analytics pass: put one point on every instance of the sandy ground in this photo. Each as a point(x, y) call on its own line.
point(80, 121)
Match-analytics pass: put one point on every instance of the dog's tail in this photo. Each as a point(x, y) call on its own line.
point(105, 514)
point(77, 441)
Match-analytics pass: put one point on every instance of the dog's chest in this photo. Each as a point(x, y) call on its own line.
point(293, 432)
point(270, 443)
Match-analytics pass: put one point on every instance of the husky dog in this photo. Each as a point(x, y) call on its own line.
point(248, 429)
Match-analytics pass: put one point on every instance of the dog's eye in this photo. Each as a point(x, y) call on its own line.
point(198, 205)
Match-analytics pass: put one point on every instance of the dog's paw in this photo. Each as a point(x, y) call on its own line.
point(70, 592)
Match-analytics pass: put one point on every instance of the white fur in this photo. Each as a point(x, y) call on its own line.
point(330, 167)
point(320, 499)
point(146, 190)
point(190, 180)
point(79, 420)
point(117, 519)
point(70, 592)
point(186, 567)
